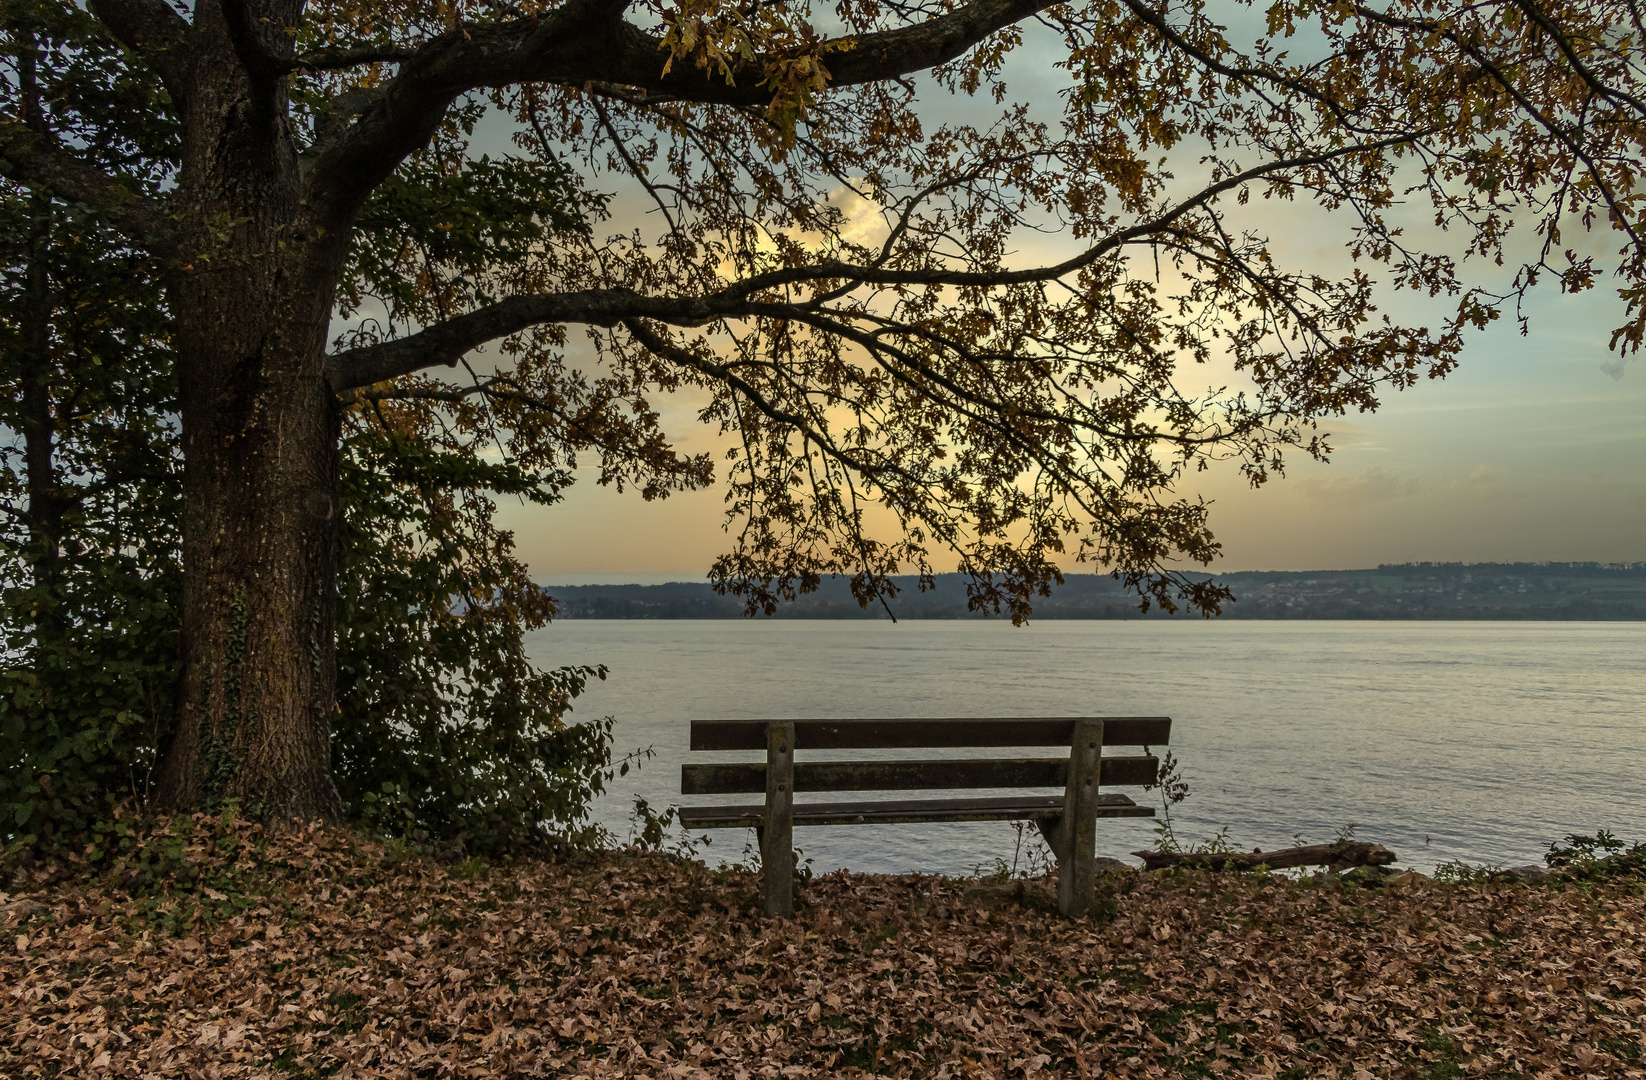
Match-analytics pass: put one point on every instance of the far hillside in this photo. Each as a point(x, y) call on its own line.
point(1568, 591)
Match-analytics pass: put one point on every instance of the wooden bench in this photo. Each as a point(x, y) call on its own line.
point(1067, 819)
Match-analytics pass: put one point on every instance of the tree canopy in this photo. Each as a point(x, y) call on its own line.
point(935, 319)
point(847, 277)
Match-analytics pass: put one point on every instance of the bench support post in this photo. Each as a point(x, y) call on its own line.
point(1077, 831)
point(777, 831)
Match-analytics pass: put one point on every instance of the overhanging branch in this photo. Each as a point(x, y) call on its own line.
point(447, 342)
point(589, 42)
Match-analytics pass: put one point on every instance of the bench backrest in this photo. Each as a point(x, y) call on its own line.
point(909, 775)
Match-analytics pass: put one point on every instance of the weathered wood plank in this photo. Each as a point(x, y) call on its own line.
point(736, 778)
point(1076, 871)
point(1006, 808)
point(777, 832)
point(907, 734)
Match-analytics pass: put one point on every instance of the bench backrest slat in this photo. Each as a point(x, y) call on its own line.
point(912, 734)
point(734, 778)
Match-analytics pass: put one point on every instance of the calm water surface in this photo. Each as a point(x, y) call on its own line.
point(1474, 741)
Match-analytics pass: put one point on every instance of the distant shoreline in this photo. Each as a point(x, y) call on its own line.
point(1576, 592)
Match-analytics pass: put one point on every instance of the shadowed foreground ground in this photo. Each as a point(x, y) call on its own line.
point(316, 954)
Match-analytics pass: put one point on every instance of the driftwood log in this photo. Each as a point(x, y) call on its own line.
point(1338, 856)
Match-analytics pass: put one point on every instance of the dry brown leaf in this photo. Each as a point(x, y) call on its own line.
point(314, 954)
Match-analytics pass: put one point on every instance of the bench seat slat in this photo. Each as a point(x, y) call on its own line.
point(906, 734)
point(736, 778)
point(1010, 808)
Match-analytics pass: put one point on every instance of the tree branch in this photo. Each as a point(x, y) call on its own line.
point(264, 63)
point(1503, 75)
point(891, 53)
point(41, 163)
point(333, 59)
point(1562, 41)
point(588, 42)
point(152, 30)
point(877, 274)
point(808, 430)
point(447, 342)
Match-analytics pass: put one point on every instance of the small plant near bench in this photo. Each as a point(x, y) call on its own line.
point(1458, 872)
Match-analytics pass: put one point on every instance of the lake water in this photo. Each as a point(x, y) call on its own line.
point(1469, 740)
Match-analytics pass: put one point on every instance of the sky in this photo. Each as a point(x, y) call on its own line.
point(1532, 450)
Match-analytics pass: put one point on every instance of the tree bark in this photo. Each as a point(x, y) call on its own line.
point(1339, 855)
point(45, 509)
point(259, 551)
point(252, 299)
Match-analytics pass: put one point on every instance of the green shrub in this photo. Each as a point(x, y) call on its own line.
point(445, 729)
point(446, 732)
point(1597, 858)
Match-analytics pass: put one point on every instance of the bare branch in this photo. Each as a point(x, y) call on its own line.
point(634, 167)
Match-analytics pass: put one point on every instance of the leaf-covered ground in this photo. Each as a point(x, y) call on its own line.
point(216, 951)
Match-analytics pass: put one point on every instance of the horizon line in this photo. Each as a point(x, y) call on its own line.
point(622, 578)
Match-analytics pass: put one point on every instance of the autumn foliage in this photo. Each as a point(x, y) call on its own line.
point(310, 953)
point(979, 284)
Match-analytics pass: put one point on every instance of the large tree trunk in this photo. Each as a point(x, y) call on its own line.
point(259, 553)
point(260, 520)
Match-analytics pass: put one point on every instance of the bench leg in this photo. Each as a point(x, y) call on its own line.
point(1052, 832)
point(777, 833)
point(1077, 861)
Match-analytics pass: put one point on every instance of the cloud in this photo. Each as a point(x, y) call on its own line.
point(1482, 476)
point(1614, 368)
point(865, 221)
point(1484, 484)
point(1374, 485)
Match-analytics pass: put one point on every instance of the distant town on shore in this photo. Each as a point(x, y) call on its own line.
point(1565, 591)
